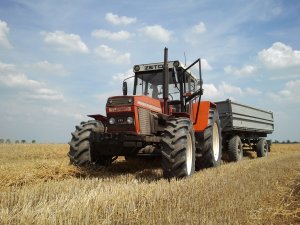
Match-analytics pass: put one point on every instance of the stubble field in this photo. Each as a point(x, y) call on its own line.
point(38, 186)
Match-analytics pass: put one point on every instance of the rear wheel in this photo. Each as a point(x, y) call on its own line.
point(235, 149)
point(209, 146)
point(79, 153)
point(262, 148)
point(178, 153)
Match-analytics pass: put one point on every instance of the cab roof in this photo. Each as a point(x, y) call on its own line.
point(159, 66)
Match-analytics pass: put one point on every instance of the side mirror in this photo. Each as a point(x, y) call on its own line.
point(124, 88)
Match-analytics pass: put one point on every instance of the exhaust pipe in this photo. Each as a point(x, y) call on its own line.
point(166, 83)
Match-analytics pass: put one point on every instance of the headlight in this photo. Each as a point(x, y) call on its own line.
point(129, 120)
point(111, 120)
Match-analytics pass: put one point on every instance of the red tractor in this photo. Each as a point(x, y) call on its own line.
point(163, 117)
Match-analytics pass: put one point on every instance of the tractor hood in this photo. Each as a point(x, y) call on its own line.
point(119, 104)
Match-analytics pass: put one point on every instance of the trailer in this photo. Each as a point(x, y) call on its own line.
point(244, 127)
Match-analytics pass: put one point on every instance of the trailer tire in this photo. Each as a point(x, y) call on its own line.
point(79, 153)
point(262, 148)
point(209, 147)
point(235, 149)
point(178, 152)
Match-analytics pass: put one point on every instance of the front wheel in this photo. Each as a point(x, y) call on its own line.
point(178, 153)
point(80, 152)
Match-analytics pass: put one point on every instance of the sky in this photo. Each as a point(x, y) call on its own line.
point(60, 60)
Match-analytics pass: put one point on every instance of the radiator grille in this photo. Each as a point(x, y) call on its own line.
point(144, 118)
point(119, 101)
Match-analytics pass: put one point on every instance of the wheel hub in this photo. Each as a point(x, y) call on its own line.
point(216, 142)
point(189, 155)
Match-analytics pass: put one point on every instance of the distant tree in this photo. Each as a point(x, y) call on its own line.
point(33, 141)
point(23, 141)
point(1, 141)
point(8, 141)
point(288, 141)
point(276, 141)
point(17, 141)
point(283, 142)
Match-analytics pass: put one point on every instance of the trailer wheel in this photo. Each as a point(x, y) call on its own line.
point(178, 153)
point(235, 149)
point(262, 148)
point(79, 153)
point(209, 147)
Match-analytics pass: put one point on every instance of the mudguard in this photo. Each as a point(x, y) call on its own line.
point(203, 115)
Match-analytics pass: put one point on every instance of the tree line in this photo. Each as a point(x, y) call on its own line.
point(8, 141)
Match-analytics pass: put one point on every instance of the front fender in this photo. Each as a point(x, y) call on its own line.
point(101, 118)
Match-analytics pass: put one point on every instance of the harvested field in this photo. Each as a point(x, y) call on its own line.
point(38, 186)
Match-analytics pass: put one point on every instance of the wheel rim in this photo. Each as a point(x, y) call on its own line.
point(265, 149)
point(216, 142)
point(189, 155)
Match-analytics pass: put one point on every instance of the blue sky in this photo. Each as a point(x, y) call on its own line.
point(60, 60)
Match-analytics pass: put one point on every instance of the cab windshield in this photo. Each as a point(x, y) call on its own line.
point(151, 84)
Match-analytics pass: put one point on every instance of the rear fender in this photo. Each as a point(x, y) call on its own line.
point(203, 115)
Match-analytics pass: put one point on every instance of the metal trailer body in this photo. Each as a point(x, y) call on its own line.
point(249, 123)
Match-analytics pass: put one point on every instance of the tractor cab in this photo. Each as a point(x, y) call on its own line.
point(149, 81)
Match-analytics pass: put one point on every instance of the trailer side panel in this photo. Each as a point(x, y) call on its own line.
point(237, 117)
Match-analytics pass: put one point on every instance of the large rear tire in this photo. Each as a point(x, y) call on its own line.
point(209, 143)
point(235, 149)
point(178, 153)
point(262, 148)
point(79, 153)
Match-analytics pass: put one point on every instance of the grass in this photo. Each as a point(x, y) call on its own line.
point(38, 186)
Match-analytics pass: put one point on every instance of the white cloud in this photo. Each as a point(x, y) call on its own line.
point(25, 87)
point(245, 70)
point(205, 65)
point(63, 112)
point(49, 68)
point(119, 20)
point(115, 36)
point(18, 80)
point(199, 28)
point(252, 91)
point(280, 55)
point(289, 94)
point(6, 67)
point(111, 55)
point(223, 91)
point(121, 76)
point(157, 32)
point(230, 89)
point(65, 42)
point(44, 94)
point(212, 92)
point(4, 30)
point(192, 34)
